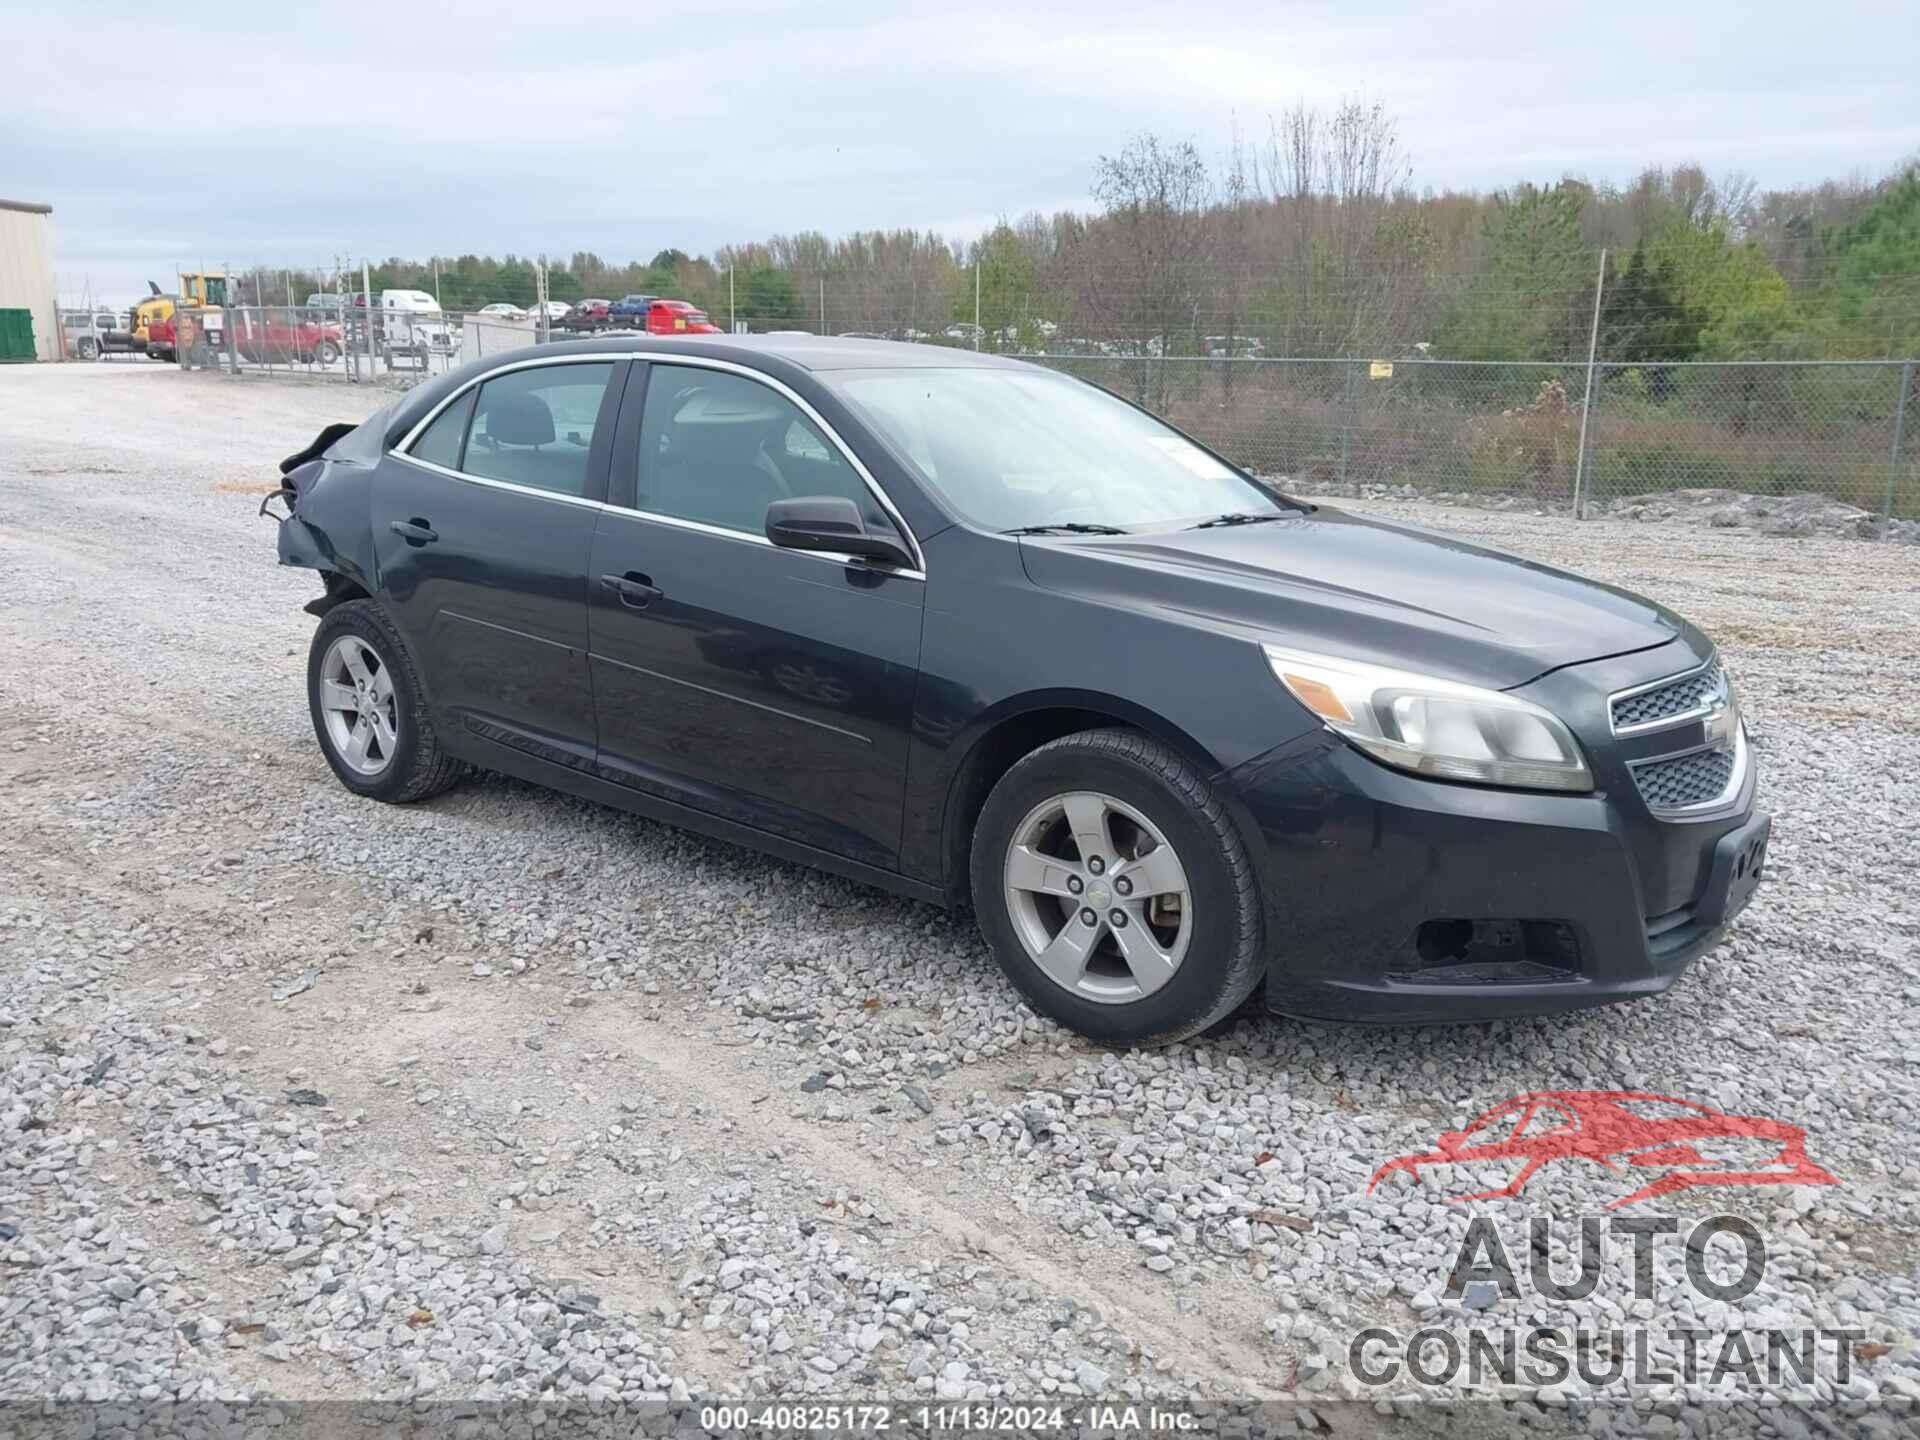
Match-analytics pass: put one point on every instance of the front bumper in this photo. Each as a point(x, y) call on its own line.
point(1392, 898)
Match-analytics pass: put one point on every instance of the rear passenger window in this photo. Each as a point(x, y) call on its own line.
point(719, 448)
point(440, 444)
point(535, 427)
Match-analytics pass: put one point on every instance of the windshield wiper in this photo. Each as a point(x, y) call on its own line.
point(1070, 527)
point(1235, 517)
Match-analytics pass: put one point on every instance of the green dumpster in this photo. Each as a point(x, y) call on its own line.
point(16, 335)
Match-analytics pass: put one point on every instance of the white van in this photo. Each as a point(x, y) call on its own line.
point(411, 324)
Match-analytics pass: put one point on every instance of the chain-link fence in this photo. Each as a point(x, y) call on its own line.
point(335, 339)
point(1528, 430)
point(1842, 429)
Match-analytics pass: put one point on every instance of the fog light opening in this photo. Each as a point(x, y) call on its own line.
point(1493, 952)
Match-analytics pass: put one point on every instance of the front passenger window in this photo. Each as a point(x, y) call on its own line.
point(535, 427)
point(719, 448)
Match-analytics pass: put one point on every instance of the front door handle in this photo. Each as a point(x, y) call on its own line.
point(634, 589)
point(415, 531)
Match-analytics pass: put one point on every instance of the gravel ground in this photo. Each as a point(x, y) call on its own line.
point(511, 1096)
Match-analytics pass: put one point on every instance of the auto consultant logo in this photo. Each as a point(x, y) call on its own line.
point(1723, 1262)
point(1631, 1133)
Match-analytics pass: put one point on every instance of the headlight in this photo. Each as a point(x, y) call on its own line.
point(1435, 727)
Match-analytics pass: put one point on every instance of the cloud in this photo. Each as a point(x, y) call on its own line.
point(248, 135)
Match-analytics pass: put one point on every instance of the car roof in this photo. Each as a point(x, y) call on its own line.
point(808, 352)
point(768, 353)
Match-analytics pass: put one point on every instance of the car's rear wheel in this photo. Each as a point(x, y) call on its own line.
point(326, 352)
point(85, 349)
point(1115, 891)
point(368, 712)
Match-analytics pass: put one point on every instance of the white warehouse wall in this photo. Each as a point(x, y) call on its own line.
point(26, 270)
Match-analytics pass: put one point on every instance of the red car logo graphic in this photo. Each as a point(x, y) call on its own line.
point(1618, 1128)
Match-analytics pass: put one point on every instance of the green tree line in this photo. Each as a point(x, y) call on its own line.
point(1312, 241)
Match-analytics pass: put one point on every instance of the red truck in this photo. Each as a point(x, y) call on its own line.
point(677, 317)
point(272, 336)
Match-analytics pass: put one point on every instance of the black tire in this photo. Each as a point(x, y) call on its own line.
point(419, 766)
point(86, 349)
point(326, 352)
point(1223, 962)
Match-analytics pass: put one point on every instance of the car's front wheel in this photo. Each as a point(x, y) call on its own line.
point(325, 353)
point(367, 707)
point(1115, 891)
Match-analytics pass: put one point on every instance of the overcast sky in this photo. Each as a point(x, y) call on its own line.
point(232, 134)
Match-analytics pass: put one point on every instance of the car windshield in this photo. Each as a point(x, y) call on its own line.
point(1015, 448)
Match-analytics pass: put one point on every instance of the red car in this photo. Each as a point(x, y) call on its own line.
point(677, 317)
point(1629, 1128)
point(585, 315)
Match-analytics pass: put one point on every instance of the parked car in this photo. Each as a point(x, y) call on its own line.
point(586, 315)
point(85, 332)
point(991, 635)
point(503, 310)
point(966, 334)
point(677, 317)
point(632, 309)
point(555, 309)
point(1238, 347)
point(283, 337)
point(325, 304)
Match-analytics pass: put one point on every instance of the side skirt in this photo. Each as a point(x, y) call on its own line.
point(492, 755)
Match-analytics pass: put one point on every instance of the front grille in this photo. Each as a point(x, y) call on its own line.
point(1663, 702)
point(1685, 780)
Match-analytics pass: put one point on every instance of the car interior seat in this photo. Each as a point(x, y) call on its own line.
point(518, 426)
point(711, 465)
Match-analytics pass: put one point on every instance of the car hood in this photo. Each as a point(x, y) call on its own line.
point(1366, 589)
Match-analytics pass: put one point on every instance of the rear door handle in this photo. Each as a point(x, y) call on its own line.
point(415, 531)
point(633, 588)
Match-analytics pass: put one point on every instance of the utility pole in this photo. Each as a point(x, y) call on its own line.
point(976, 302)
point(436, 286)
point(823, 304)
point(733, 320)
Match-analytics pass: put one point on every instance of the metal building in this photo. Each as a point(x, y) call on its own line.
point(26, 282)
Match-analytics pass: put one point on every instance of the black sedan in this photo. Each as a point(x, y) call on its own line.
point(983, 634)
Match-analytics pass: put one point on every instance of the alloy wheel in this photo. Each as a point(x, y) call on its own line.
point(1098, 897)
point(357, 702)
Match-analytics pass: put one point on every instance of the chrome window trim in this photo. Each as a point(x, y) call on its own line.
point(721, 532)
point(405, 442)
point(403, 447)
point(534, 490)
point(1735, 781)
point(1665, 722)
point(799, 402)
point(833, 557)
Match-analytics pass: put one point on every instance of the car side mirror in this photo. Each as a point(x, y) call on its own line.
point(832, 523)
